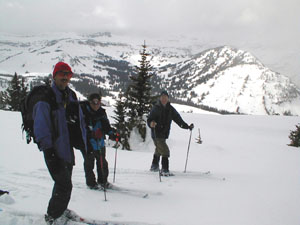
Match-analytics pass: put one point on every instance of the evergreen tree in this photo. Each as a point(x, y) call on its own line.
point(2, 100)
point(121, 124)
point(139, 99)
point(24, 88)
point(15, 92)
point(131, 112)
point(47, 80)
point(295, 137)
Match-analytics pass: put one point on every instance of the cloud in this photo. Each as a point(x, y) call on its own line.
point(14, 5)
point(248, 16)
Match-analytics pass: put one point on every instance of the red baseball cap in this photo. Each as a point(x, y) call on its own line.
point(61, 66)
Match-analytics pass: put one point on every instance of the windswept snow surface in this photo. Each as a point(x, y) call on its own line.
point(261, 186)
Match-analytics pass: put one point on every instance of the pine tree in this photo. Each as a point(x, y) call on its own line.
point(47, 81)
point(2, 99)
point(15, 92)
point(295, 137)
point(121, 124)
point(24, 88)
point(139, 99)
point(131, 112)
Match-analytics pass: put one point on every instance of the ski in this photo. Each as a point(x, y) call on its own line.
point(86, 221)
point(206, 174)
point(166, 174)
point(22, 217)
point(128, 191)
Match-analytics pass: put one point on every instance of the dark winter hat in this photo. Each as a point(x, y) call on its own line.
point(164, 93)
point(94, 96)
point(61, 66)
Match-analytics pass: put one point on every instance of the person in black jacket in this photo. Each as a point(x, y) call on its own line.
point(159, 120)
point(97, 127)
point(53, 128)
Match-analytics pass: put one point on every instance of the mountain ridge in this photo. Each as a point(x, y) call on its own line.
point(224, 78)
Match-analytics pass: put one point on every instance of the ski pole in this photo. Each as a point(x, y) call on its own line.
point(159, 174)
point(102, 171)
point(188, 150)
point(101, 165)
point(117, 145)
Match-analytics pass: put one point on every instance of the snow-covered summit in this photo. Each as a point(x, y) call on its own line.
point(234, 80)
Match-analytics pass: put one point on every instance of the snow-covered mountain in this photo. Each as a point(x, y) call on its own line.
point(232, 80)
point(221, 78)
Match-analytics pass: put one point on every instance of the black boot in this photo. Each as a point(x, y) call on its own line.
point(165, 164)
point(165, 167)
point(155, 163)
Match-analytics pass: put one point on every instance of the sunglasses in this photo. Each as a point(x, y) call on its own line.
point(96, 102)
point(64, 73)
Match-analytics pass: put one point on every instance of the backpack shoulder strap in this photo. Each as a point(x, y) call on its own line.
point(73, 94)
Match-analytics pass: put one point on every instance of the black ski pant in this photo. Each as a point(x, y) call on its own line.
point(89, 165)
point(61, 173)
point(161, 149)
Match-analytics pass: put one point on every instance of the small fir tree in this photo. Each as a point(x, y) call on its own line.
point(121, 124)
point(15, 92)
point(47, 80)
point(295, 137)
point(131, 112)
point(139, 99)
point(2, 100)
point(24, 88)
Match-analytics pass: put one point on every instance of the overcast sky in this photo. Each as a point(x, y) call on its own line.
point(271, 22)
point(210, 17)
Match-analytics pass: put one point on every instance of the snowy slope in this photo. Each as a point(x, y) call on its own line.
point(261, 174)
point(31, 54)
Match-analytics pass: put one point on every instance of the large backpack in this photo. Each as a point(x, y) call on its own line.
point(45, 93)
point(38, 93)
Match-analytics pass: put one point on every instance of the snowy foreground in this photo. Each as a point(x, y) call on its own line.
point(261, 186)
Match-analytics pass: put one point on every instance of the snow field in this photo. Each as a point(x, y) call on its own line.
point(261, 174)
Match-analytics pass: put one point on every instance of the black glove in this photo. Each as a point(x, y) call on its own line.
point(3, 192)
point(115, 136)
point(191, 127)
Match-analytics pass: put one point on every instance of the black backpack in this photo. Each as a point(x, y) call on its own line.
point(45, 93)
point(38, 93)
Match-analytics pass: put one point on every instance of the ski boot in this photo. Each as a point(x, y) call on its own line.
point(62, 220)
point(154, 168)
point(155, 163)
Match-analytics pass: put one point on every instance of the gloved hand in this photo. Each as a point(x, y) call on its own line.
point(114, 136)
point(191, 127)
point(153, 124)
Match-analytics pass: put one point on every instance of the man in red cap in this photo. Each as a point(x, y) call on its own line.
point(54, 129)
point(62, 74)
